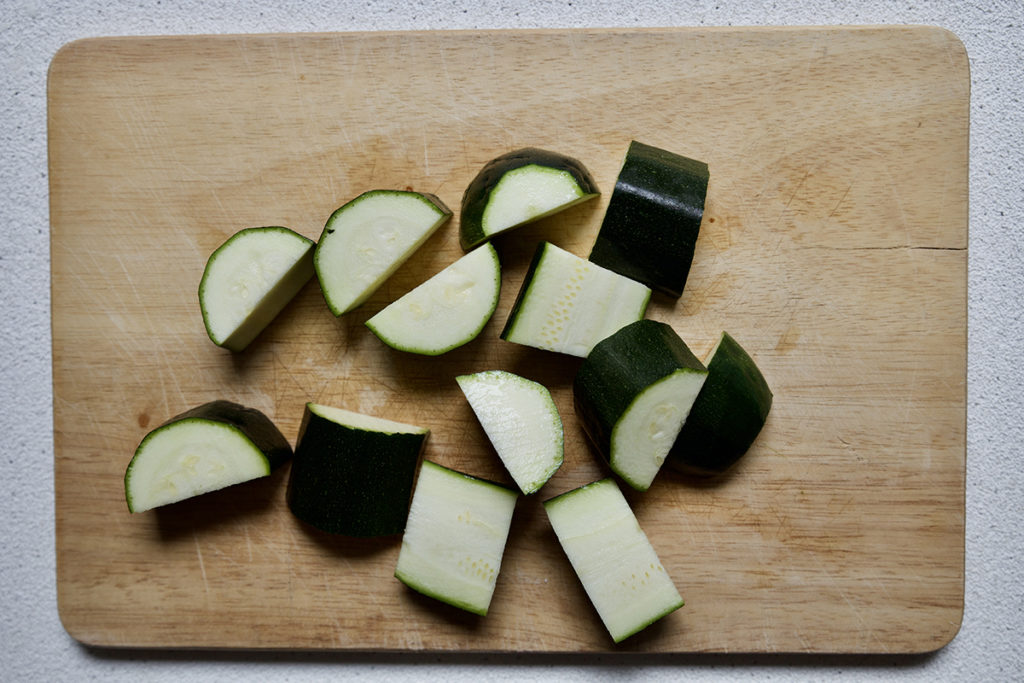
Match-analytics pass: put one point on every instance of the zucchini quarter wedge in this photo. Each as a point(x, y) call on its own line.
point(455, 537)
point(367, 239)
point(209, 447)
point(612, 557)
point(520, 187)
point(521, 421)
point(727, 415)
point(445, 312)
point(633, 393)
point(249, 279)
point(567, 304)
point(352, 473)
point(653, 218)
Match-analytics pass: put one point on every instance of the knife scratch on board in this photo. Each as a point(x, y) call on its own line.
point(162, 352)
point(202, 566)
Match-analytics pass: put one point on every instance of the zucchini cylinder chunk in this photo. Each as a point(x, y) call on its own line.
point(521, 421)
point(209, 447)
point(727, 416)
point(445, 312)
point(612, 557)
point(518, 188)
point(367, 239)
point(650, 227)
point(455, 537)
point(352, 473)
point(568, 304)
point(249, 279)
point(632, 395)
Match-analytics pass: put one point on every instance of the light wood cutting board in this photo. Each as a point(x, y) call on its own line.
point(834, 248)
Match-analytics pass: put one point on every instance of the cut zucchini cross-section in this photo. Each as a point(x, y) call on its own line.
point(568, 304)
point(249, 279)
point(445, 312)
point(455, 537)
point(367, 239)
point(520, 187)
point(633, 393)
point(612, 557)
point(521, 421)
point(209, 447)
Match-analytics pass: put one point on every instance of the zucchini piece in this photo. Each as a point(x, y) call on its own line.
point(209, 447)
point(521, 421)
point(612, 557)
point(518, 188)
point(633, 393)
point(249, 279)
point(727, 416)
point(367, 239)
point(455, 537)
point(567, 304)
point(352, 474)
point(445, 312)
point(653, 218)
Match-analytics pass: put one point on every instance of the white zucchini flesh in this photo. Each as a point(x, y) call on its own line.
point(612, 557)
point(249, 279)
point(521, 422)
point(569, 304)
point(188, 458)
point(455, 537)
point(529, 193)
point(644, 435)
point(368, 423)
point(366, 240)
point(445, 312)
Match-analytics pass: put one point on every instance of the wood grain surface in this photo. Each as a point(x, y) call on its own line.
point(834, 248)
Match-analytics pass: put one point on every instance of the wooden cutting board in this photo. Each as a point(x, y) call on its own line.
point(834, 248)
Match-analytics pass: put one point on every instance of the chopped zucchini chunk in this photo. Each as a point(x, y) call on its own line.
point(727, 415)
point(249, 279)
point(633, 393)
point(445, 312)
point(568, 304)
point(367, 239)
point(209, 447)
point(518, 188)
point(653, 218)
point(521, 421)
point(613, 558)
point(455, 537)
point(352, 473)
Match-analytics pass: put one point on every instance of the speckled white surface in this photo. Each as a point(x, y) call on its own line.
point(989, 645)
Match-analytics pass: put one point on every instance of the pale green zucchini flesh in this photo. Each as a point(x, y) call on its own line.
point(455, 537)
point(210, 447)
point(445, 312)
point(518, 188)
point(249, 279)
point(368, 238)
point(521, 422)
point(613, 558)
point(568, 304)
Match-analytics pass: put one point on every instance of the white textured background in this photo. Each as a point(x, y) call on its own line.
point(990, 645)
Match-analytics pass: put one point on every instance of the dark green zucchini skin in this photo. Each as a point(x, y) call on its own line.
point(352, 482)
point(256, 426)
point(477, 194)
point(618, 369)
point(524, 289)
point(653, 218)
point(727, 416)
